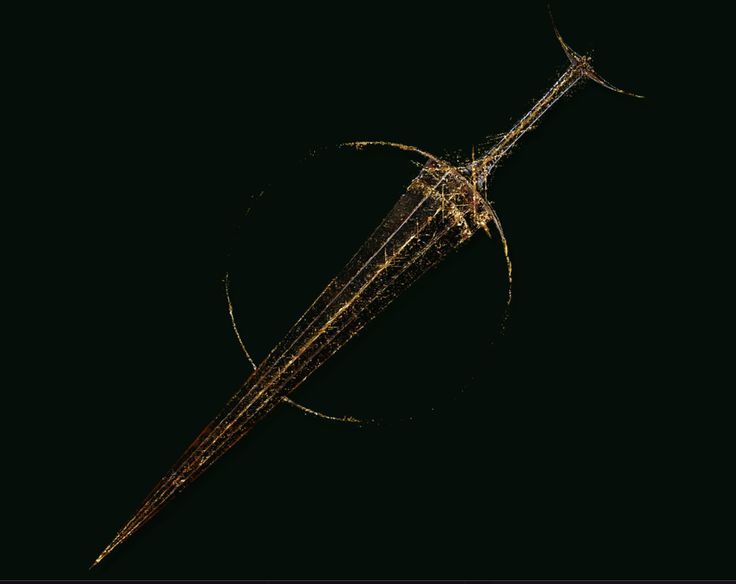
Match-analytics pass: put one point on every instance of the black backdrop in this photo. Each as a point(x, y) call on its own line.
point(572, 445)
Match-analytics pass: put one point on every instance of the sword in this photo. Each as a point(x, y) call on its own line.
point(443, 207)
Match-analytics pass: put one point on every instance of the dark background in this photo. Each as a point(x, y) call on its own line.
point(584, 441)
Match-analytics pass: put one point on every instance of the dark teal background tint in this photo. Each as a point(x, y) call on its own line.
point(578, 444)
